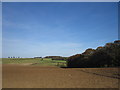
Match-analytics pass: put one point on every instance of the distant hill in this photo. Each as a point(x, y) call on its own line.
point(106, 56)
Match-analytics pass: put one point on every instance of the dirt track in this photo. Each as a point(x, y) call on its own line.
point(21, 76)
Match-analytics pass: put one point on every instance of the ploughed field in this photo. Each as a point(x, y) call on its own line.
point(36, 76)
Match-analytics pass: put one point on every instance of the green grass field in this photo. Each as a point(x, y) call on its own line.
point(34, 61)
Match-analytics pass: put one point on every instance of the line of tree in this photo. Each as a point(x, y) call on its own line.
point(37, 57)
point(56, 57)
point(106, 56)
point(13, 57)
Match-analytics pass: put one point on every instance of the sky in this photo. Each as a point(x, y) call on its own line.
point(32, 29)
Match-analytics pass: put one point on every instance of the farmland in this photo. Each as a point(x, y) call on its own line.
point(28, 76)
point(34, 61)
point(38, 73)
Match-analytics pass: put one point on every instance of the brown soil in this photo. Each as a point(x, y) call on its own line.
point(21, 76)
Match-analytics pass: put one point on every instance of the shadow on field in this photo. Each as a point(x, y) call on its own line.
point(116, 76)
point(86, 70)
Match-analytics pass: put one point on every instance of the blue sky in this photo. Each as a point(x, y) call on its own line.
point(64, 29)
